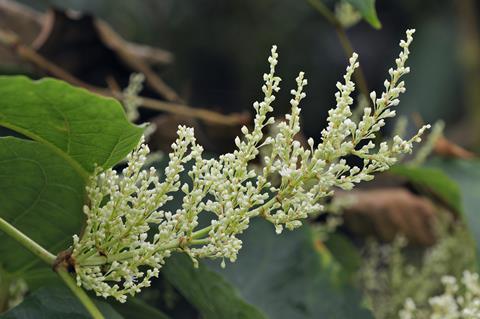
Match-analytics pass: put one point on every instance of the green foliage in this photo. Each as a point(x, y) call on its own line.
point(286, 277)
point(39, 276)
point(467, 174)
point(41, 195)
point(345, 254)
point(367, 10)
point(282, 276)
point(83, 128)
point(71, 130)
point(211, 294)
point(433, 181)
point(55, 303)
point(138, 309)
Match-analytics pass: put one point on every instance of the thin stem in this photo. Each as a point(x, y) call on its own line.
point(26, 242)
point(50, 259)
point(80, 294)
point(203, 241)
point(347, 46)
point(200, 233)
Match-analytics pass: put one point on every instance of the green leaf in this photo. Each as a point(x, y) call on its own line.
point(42, 180)
point(138, 309)
point(466, 173)
point(207, 291)
point(345, 254)
point(41, 195)
point(284, 276)
point(39, 276)
point(434, 181)
point(83, 128)
point(55, 303)
point(367, 10)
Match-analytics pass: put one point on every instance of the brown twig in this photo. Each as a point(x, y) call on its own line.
point(25, 52)
point(144, 52)
point(152, 79)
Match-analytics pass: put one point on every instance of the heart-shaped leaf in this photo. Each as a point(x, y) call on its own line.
point(83, 128)
point(42, 180)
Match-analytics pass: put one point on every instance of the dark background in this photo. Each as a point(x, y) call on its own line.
point(220, 50)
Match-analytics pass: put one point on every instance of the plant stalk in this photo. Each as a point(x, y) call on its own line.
point(345, 42)
point(80, 294)
point(26, 242)
point(50, 259)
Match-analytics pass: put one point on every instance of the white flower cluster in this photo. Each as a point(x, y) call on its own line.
point(131, 101)
point(455, 303)
point(127, 228)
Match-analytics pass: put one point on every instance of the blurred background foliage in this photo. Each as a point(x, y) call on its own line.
point(220, 48)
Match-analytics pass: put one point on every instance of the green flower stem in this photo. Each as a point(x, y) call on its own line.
point(197, 238)
point(200, 241)
point(80, 294)
point(97, 260)
point(344, 41)
point(202, 232)
point(26, 242)
point(49, 259)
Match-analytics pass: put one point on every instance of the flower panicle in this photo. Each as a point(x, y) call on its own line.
point(129, 234)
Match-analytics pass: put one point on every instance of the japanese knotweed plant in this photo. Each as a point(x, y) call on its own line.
point(460, 300)
point(128, 236)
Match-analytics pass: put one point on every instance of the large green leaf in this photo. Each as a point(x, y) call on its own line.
point(212, 295)
point(41, 195)
point(467, 174)
point(434, 181)
point(286, 277)
point(39, 276)
point(55, 303)
point(83, 128)
point(138, 309)
point(42, 180)
point(367, 10)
